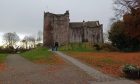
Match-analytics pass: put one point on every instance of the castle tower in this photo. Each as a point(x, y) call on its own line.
point(56, 27)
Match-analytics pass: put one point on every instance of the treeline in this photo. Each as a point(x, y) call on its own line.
point(13, 43)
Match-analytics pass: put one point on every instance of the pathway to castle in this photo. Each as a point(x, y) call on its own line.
point(22, 71)
point(100, 77)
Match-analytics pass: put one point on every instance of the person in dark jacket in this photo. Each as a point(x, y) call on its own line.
point(56, 46)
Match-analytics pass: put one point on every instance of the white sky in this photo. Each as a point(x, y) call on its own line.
point(26, 16)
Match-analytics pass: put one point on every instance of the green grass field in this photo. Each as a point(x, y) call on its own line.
point(78, 47)
point(37, 54)
point(2, 57)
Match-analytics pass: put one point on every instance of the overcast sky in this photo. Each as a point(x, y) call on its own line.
point(26, 16)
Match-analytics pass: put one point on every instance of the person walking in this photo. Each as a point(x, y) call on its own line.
point(56, 46)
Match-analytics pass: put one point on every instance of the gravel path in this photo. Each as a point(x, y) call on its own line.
point(22, 71)
point(101, 77)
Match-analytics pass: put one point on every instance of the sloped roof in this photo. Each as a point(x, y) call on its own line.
point(89, 24)
point(76, 24)
point(92, 23)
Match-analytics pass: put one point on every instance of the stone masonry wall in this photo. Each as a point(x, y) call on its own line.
point(57, 28)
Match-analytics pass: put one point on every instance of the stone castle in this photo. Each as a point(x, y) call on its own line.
point(58, 28)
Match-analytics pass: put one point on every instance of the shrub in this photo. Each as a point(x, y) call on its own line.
point(12, 50)
point(97, 47)
point(7, 50)
point(131, 71)
point(39, 45)
point(108, 47)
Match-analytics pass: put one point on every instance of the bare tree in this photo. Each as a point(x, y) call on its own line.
point(122, 7)
point(29, 41)
point(39, 36)
point(105, 36)
point(10, 38)
point(25, 41)
point(32, 41)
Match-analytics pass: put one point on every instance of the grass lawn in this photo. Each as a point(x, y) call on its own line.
point(41, 56)
point(77, 47)
point(2, 57)
point(2, 60)
point(108, 62)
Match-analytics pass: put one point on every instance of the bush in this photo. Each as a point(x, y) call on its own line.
point(97, 47)
point(39, 45)
point(7, 50)
point(131, 71)
point(108, 47)
point(12, 50)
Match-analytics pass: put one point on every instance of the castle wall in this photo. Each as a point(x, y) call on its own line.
point(57, 28)
point(60, 29)
point(101, 35)
point(85, 32)
point(48, 28)
point(95, 35)
point(75, 35)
